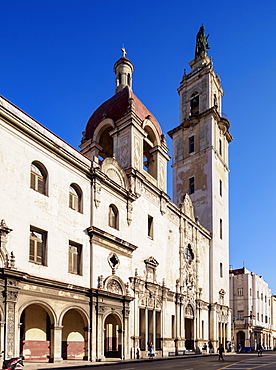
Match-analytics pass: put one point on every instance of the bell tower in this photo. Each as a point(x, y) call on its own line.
point(200, 168)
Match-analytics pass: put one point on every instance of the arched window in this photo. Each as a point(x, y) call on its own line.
point(106, 143)
point(149, 163)
point(38, 178)
point(194, 104)
point(113, 217)
point(75, 197)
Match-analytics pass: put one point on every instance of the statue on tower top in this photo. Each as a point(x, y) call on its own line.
point(201, 42)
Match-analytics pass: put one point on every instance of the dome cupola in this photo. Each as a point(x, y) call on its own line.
point(123, 69)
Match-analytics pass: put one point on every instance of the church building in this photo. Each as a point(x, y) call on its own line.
point(96, 260)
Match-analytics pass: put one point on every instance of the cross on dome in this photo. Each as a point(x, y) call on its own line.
point(124, 53)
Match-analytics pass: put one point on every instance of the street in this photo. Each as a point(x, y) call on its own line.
point(232, 362)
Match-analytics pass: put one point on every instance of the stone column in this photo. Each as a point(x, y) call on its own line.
point(56, 344)
point(10, 293)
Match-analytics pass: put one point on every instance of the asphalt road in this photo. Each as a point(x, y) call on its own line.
point(231, 362)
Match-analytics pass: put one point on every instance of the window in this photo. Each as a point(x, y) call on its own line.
point(38, 177)
point(173, 326)
point(250, 292)
point(220, 188)
point(258, 316)
point(191, 185)
point(220, 269)
point(74, 258)
point(262, 296)
point(113, 217)
point(262, 318)
point(220, 228)
point(265, 299)
point(191, 144)
point(75, 197)
point(150, 227)
point(266, 319)
point(37, 246)
point(149, 155)
point(258, 294)
point(240, 315)
point(240, 291)
point(194, 104)
point(220, 147)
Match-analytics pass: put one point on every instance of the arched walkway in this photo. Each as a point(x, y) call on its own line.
point(112, 337)
point(35, 333)
point(74, 336)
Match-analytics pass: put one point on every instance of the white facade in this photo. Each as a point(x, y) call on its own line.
point(96, 261)
point(252, 311)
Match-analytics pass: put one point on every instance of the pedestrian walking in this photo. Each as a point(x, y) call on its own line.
point(220, 351)
point(151, 351)
point(210, 346)
point(259, 350)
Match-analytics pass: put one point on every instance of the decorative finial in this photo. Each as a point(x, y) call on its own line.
point(124, 53)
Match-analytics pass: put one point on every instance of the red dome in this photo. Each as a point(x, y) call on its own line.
point(115, 108)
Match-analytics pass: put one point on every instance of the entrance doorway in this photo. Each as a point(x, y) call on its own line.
point(241, 339)
point(189, 334)
point(112, 337)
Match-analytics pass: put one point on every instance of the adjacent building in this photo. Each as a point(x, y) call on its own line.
point(96, 260)
point(251, 303)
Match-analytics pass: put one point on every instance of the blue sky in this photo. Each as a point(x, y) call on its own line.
point(56, 62)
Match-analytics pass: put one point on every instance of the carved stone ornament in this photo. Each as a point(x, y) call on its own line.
point(113, 261)
point(114, 287)
point(97, 192)
point(150, 272)
point(187, 206)
point(129, 213)
point(189, 312)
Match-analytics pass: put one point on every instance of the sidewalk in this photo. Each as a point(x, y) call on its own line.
point(67, 364)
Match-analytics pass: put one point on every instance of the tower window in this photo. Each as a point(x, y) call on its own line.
point(150, 227)
point(220, 188)
point(220, 147)
point(220, 228)
point(194, 104)
point(191, 144)
point(220, 270)
point(240, 291)
point(191, 185)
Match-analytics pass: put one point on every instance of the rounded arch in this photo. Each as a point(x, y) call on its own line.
point(74, 323)
point(113, 334)
point(103, 138)
point(114, 313)
point(102, 126)
point(37, 320)
point(80, 310)
point(151, 132)
point(114, 171)
point(115, 284)
point(39, 177)
point(42, 304)
point(75, 197)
